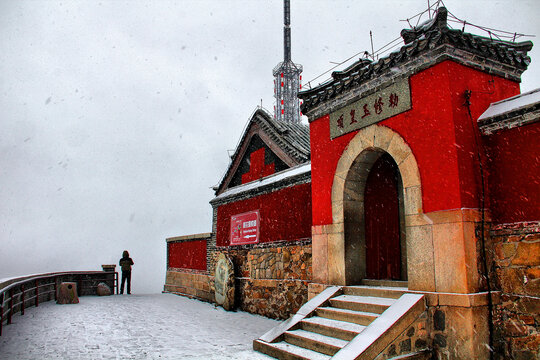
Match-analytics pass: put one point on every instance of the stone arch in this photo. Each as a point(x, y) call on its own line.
point(347, 200)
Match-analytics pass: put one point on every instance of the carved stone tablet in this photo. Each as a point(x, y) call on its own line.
point(370, 109)
point(224, 282)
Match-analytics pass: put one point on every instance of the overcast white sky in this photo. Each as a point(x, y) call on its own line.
point(116, 116)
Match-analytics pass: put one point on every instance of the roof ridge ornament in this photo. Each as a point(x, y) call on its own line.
point(439, 22)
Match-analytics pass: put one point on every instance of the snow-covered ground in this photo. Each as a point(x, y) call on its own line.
point(160, 326)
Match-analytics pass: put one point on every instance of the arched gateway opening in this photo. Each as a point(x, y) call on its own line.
point(382, 220)
point(340, 250)
point(375, 246)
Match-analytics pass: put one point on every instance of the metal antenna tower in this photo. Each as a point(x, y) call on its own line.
point(287, 77)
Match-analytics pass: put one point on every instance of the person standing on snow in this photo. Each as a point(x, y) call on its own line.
point(125, 265)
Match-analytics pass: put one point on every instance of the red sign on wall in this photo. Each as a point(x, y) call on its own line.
point(245, 228)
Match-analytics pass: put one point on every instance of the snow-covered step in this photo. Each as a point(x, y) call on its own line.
point(391, 292)
point(362, 303)
point(420, 355)
point(386, 283)
point(321, 343)
point(283, 350)
point(339, 329)
point(357, 317)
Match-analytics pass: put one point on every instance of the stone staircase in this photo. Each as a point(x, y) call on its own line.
point(352, 322)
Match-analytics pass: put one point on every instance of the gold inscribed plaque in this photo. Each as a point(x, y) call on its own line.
point(371, 109)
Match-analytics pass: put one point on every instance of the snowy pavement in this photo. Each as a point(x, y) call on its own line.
point(160, 326)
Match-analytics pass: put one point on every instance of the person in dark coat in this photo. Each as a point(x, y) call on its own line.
point(125, 265)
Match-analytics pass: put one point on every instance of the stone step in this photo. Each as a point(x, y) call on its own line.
point(380, 291)
point(343, 330)
point(357, 317)
point(385, 283)
point(320, 343)
point(285, 351)
point(420, 355)
point(362, 303)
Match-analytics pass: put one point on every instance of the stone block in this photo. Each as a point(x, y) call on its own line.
point(449, 260)
point(439, 320)
point(336, 259)
point(67, 293)
point(366, 135)
point(505, 250)
point(512, 280)
point(513, 327)
point(413, 200)
point(320, 258)
point(356, 146)
point(382, 137)
point(467, 333)
point(337, 210)
point(398, 149)
point(471, 247)
point(527, 254)
point(532, 287)
point(420, 258)
point(410, 174)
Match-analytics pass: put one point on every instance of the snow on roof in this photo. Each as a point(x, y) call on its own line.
point(285, 174)
point(511, 104)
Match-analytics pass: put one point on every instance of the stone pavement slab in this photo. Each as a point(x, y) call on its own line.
point(159, 326)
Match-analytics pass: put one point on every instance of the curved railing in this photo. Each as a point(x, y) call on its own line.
point(17, 294)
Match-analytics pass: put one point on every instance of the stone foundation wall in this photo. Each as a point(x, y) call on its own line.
point(271, 278)
point(414, 339)
point(277, 299)
point(517, 274)
point(189, 283)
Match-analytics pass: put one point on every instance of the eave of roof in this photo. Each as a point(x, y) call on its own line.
point(419, 41)
point(286, 177)
point(515, 103)
point(509, 113)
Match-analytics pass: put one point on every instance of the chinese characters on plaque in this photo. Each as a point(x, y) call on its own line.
point(245, 228)
point(371, 109)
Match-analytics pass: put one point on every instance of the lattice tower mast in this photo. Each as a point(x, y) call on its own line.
point(287, 78)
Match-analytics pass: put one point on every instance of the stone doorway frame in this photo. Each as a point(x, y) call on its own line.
point(354, 216)
point(329, 241)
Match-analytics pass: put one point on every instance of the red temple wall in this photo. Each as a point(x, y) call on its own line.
point(283, 215)
point(187, 255)
point(514, 174)
point(438, 131)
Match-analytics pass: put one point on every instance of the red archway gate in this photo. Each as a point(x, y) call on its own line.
point(382, 223)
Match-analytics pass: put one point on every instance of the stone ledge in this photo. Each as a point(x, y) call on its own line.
point(433, 298)
point(459, 300)
point(519, 228)
point(272, 282)
point(266, 245)
point(207, 297)
point(446, 217)
point(315, 289)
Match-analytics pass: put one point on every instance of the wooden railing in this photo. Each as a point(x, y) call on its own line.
point(20, 293)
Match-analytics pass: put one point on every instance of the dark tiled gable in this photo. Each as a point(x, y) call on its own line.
point(506, 59)
point(291, 139)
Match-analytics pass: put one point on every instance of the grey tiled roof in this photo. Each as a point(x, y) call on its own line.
point(292, 139)
point(418, 41)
